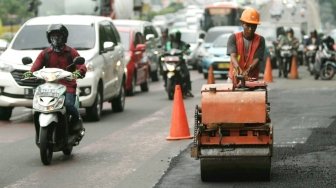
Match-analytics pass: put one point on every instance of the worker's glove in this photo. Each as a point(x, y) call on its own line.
point(76, 74)
point(27, 75)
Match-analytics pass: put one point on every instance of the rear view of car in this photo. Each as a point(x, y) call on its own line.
point(136, 59)
point(152, 42)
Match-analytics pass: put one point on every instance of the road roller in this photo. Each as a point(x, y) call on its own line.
point(233, 135)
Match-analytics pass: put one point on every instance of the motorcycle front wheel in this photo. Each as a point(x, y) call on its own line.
point(327, 72)
point(46, 148)
point(170, 89)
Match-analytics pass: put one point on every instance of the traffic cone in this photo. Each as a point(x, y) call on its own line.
point(294, 69)
point(179, 128)
point(268, 77)
point(211, 77)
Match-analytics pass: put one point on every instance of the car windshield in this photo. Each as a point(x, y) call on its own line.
point(189, 37)
point(33, 37)
point(221, 41)
point(124, 36)
point(211, 36)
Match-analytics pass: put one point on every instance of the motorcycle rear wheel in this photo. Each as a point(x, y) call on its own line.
point(46, 148)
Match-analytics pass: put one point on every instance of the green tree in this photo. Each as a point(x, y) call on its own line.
point(14, 11)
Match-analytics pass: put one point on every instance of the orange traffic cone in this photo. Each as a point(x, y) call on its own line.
point(294, 70)
point(211, 77)
point(179, 128)
point(268, 77)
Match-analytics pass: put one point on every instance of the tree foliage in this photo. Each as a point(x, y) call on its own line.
point(14, 11)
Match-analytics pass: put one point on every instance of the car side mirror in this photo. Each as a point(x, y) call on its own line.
point(79, 60)
point(149, 37)
point(108, 46)
point(26, 60)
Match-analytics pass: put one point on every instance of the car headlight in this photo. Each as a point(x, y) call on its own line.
point(90, 66)
point(4, 67)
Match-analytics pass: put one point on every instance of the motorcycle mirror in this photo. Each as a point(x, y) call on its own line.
point(26, 60)
point(79, 60)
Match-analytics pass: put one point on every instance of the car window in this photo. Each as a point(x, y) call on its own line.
point(189, 37)
point(148, 30)
point(221, 41)
point(156, 35)
point(138, 39)
point(33, 37)
point(115, 33)
point(109, 32)
point(211, 36)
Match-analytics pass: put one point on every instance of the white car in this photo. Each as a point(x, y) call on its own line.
point(95, 38)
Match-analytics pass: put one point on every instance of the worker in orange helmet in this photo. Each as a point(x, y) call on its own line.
point(246, 48)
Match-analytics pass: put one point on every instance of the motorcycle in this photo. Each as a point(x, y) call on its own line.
point(310, 57)
point(173, 72)
point(325, 66)
point(53, 132)
point(286, 57)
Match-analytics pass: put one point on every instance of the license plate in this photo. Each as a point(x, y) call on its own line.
point(172, 58)
point(29, 93)
point(223, 65)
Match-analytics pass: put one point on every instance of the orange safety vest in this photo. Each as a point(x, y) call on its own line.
point(244, 63)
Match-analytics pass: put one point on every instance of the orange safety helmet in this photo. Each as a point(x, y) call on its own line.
point(250, 15)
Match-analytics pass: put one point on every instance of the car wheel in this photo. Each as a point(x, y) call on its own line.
point(205, 75)
point(94, 112)
point(118, 103)
point(144, 86)
point(5, 113)
point(199, 69)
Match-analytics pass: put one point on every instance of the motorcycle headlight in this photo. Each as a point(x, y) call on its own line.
point(170, 67)
point(4, 67)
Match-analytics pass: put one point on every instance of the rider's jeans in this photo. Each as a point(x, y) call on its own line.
point(70, 99)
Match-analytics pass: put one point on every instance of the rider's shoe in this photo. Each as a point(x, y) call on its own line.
point(189, 94)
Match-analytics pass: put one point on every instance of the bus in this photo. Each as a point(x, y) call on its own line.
point(116, 9)
point(221, 14)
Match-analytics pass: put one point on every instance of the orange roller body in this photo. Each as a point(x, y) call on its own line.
point(233, 134)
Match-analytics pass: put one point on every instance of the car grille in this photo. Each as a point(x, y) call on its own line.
point(18, 74)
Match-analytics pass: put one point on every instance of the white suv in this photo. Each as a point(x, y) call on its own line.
point(95, 38)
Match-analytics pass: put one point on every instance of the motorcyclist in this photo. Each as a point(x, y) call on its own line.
point(327, 44)
point(291, 40)
point(178, 43)
point(59, 55)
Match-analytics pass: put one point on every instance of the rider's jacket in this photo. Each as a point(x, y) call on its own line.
point(51, 59)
